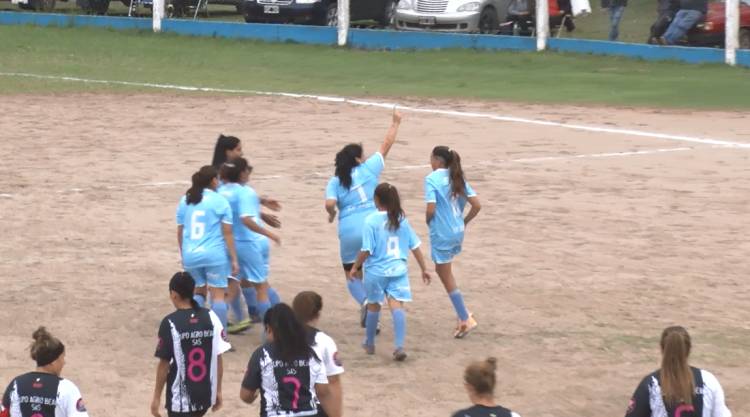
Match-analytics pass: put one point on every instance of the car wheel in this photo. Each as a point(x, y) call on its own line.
point(488, 23)
point(744, 38)
point(389, 14)
point(332, 15)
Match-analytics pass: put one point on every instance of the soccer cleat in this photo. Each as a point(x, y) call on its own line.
point(465, 327)
point(369, 349)
point(234, 328)
point(399, 355)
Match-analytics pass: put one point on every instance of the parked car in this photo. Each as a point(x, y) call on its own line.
point(711, 31)
point(317, 12)
point(36, 5)
point(483, 16)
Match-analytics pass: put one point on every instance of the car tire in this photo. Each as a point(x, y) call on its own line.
point(744, 38)
point(389, 14)
point(488, 22)
point(331, 17)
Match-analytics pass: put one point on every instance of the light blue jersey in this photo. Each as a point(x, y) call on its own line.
point(202, 238)
point(389, 249)
point(355, 203)
point(244, 202)
point(447, 227)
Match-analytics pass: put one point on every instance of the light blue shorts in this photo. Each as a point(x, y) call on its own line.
point(377, 288)
point(444, 250)
point(215, 276)
point(253, 259)
point(350, 237)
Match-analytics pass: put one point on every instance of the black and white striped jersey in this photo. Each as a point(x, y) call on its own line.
point(707, 401)
point(287, 389)
point(191, 340)
point(484, 411)
point(39, 394)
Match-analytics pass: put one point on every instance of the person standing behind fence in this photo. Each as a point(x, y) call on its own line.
point(665, 12)
point(616, 9)
point(689, 14)
point(479, 381)
point(43, 393)
point(677, 389)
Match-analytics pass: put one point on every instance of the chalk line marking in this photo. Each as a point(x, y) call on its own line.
point(364, 103)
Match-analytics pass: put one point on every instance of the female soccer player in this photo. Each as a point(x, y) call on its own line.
point(190, 346)
point(479, 381)
point(387, 239)
point(290, 377)
point(43, 393)
point(307, 306)
point(351, 191)
point(250, 235)
point(446, 195)
point(204, 235)
point(677, 389)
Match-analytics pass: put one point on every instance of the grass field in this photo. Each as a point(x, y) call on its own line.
point(525, 77)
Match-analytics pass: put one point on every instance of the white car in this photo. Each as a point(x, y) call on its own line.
point(471, 16)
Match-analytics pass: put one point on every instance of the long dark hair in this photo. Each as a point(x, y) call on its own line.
point(388, 197)
point(232, 170)
point(677, 384)
point(452, 160)
point(346, 160)
point(201, 180)
point(223, 144)
point(290, 338)
point(184, 285)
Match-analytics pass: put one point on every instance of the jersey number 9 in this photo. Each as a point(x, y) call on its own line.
point(197, 227)
point(393, 250)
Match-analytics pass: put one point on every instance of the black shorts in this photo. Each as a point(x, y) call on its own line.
point(192, 414)
point(348, 267)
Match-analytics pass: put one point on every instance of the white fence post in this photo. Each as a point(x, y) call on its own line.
point(343, 21)
point(732, 31)
point(542, 24)
point(158, 14)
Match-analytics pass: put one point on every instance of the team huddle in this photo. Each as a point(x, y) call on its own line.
point(224, 237)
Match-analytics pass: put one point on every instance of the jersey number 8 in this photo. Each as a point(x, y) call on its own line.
point(197, 227)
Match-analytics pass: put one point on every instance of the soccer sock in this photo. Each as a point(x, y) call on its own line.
point(371, 327)
point(200, 299)
point(220, 308)
point(357, 290)
point(263, 306)
point(251, 300)
point(458, 304)
point(399, 327)
point(273, 296)
point(236, 306)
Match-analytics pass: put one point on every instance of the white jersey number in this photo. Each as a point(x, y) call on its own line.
point(197, 227)
point(393, 250)
point(362, 195)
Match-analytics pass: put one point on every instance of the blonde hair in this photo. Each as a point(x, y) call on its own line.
point(677, 384)
point(45, 348)
point(480, 376)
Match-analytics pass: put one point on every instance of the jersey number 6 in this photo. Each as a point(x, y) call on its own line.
point(197, 227)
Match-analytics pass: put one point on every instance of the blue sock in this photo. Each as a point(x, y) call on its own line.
point(251, 300)
point(399, 327)
point(371, 327)
point(263, 306)
point(236, 306)
point(220, 308)
point(200, 299)
point(273, 296)
point(458, 303)
point(357, 290)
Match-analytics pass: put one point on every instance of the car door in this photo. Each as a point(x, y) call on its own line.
point(364, 9)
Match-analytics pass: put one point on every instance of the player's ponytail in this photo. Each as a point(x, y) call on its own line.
point(201, 180)
point(290, 337)
point(481, 376)
point(223, 144)
point(346, 160)
point(387, 196)
point(452, 160)
point(45, 348)
point(232, 170)
point(677, 384)
point(183, 284)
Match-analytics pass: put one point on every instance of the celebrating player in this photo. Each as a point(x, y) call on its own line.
point(251, 238)
point(204, 235)
point(290, 377)
point(190, 346)
point(479, 381)
point(43, 393)
point(677, 389)
point(351, 191)
point(307, 306)
point(446, 195)
point(387, 239)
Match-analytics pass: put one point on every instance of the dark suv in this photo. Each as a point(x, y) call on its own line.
point(317, 12)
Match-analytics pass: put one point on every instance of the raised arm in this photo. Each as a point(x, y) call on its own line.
point(390, 137)
point(475, 207)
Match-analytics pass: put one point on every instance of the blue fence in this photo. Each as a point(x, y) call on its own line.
point(378, 39)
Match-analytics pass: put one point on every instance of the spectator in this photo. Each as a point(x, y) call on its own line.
point(689, 14)
point(519, 19)
point(677, 389)
point(567, 9)
point(616, 8)
point(479, 381)
point(665, 13)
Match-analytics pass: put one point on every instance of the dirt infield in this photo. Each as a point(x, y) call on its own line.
point(588, 245)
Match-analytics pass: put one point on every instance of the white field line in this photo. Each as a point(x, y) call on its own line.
point(454, 113)
point(478, 165)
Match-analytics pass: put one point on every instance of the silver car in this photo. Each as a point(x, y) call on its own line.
point(472, 16)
